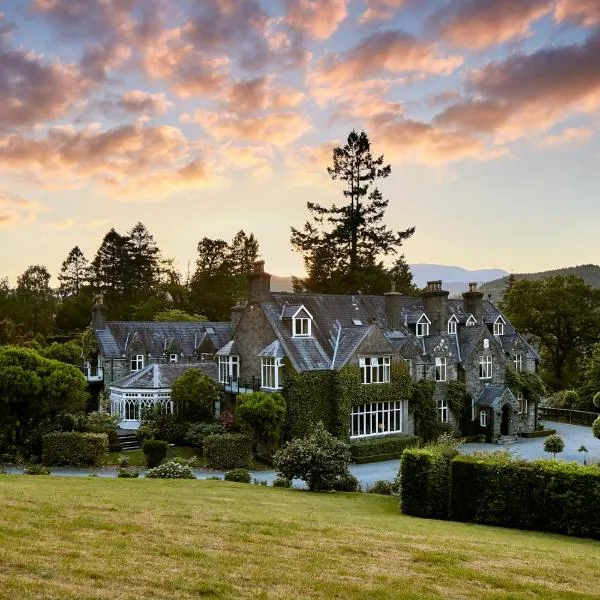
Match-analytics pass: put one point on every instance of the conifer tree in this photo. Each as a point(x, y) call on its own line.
point(74, 273)
point(143, 263)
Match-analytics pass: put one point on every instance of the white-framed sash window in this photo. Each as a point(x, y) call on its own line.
point(229, 368)
point(375, 369)
point(271, 373)
point(137, 362)
point(375, 418)
point(440, 368)
point(485, 367)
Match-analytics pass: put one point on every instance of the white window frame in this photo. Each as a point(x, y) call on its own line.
point(137, 362)
point(452, 323)
point(301, 327)
point(518, 362)
point(499, 326)
point(270, 373)
point(229, 368)
point(523, 403)
point(409, 364)
point(376, 418)
point(486, 367)
point(483, 418)
point(375, 369)
point(173, 357)
point(422, 328)
point(440, 368)
point(442, 407)
point(471, 321)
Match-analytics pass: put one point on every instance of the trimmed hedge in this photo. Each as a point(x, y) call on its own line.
point(155, 452)
point(425, 482)
point(544, 495)
point(73, 448)
point(228, 451)
point(537, 434)
point(381, 448)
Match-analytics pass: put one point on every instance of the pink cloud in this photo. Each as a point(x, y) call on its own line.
point(14, 210)
point(317, 19)
point(571, 135)
point(260, 93)
point(380, 10)
point(580, 12)
point(137, 101)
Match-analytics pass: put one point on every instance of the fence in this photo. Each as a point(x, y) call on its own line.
point(568, 415)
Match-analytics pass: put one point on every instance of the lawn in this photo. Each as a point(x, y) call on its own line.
point(115, 539)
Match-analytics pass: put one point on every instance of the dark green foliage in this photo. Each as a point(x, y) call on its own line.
point(176, 315)
point(159, 425)
point(544, 495)
point(554, 444)
point(198, 431)
point(263, 414)
point(596, 428)
point(459, 399)
point(423, 406)
point(124, 473)
point(69, 352)
point(194, 395)
point(36, 469)
point(102, 422)
point(74, 448)
point(155, 452)
point(238, 475)
point(383, 487)
point(346, 483)
point(320, 459)
point(529, 384)
point(538, 434)
point(34, 301)
point(381, 448)
point(74, 273)
point(282, 482)
point(228, 451)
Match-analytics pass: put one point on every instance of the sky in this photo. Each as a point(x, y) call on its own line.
point(203, 117)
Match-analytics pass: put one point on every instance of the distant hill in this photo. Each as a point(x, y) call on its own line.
point(589, 273)
point(281, 284)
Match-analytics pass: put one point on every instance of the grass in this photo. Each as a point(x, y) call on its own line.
point(128, 539)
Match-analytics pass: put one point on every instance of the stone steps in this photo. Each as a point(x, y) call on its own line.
point(128, 441)
point(507, 440)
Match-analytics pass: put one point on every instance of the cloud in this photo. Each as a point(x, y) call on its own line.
point(258, 94)
point(14, 210)
point(571, 135)
point(481, 24)
point(255, 159)
point(580, 12)
point(137, 101)
point(63, 224)
point(380, 10)
point(529, 92)
point(317, 19)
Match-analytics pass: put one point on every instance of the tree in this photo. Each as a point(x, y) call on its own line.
point(74, 273)
point(264, 415)
point(243, 253)
point(109, 266)
point(194, 395)
point(344, 245)
point(144, 262)
point(555, 444)
point(35, 300)
point(177, 316)
point(563, 313)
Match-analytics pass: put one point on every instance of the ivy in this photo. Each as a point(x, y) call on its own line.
point(423, 406)
point(458, 398)
point(89, 344)
point(529, 384)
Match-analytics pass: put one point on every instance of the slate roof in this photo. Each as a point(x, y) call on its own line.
point(162, 375)
point(156, 338)
point(489, 394)
point(229, 349)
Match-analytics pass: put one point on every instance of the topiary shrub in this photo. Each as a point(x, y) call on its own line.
point(381, 448)
point(36, 469)
point(171, 470)
point(238, 475)
point(73, 448)
point(554, 444)
point(198, 431)
point(596, 428)
point(282, 482)
point(123, 473)
point(103, 422)
point(155, 452)
point(319, 459)
point(228, 451)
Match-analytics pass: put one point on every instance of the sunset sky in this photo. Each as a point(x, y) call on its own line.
point(202, 117)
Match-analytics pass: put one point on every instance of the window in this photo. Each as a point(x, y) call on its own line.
point(483, 418)
point(375, 369)
point(485, 367)
point(423, 327)
point(443, 410)
point(523, 405)
point(473, 409)
point(471, 321)
point(137, 362)
point(270, 373)
point(229, 368)
point(301, 327)
point(173, 358)
point(408, 362)
point(452, 326)
point(499, 327)
point(375, 418)
point(357, 322)
point(518, 360)
point(440, 368)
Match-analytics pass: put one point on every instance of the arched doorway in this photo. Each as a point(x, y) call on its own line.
point(505, 423)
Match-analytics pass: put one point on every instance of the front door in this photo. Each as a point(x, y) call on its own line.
point(505, 424)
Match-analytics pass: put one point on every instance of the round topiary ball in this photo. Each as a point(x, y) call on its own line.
point(596, 428)
point(597, 399)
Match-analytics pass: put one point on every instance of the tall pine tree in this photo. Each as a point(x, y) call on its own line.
point(74, 273)
point(344, 245)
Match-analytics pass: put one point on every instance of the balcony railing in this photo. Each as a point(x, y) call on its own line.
point(236, 385)
point(93, 373)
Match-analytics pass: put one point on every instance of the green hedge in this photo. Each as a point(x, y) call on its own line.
point(155, 451)
point(543, 495)
point(425, 482)
point(537, 434)
point(74, 448)
point(381, 448)
point(228, 451)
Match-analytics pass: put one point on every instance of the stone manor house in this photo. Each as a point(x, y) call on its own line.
point(438, 338)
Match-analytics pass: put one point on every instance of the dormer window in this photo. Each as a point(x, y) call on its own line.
point(301, 323)
point(452, 321)
point(471, 321)
point(173, 357)
point(137, 362)
point(499, 326)
point(423, 323)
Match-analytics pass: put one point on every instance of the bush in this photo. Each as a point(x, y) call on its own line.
point(319, 459)
point(127, 474)
point(194, 395)
point(36, 469)
point(74, 448)
point(228, 451)
point(381, 448)
point(346, 483)
point(383, 487)
point(171, 470)
point(198, 431)
point(103, 422)
point(123, 460)
point(158, 425)
point(238, 475)
point(282, 482)
point(543, 495)
point(264, 415)
point(554, 444)
point(155, 452)
point(596, 428)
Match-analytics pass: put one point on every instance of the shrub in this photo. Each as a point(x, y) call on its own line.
point(319, 459)
point(264, 415)
point(158, 425)
point(238, 475)
point(555, 444)
point(74, 448)
point(228, 451)
point(155, 452)
point(383, 487)
point(127, 474)
point(262, 482)
point(282, 482)
point(103, 422)
point(596, 428)
point(381, 448)
point(543, 495)
point(194, 395)
point(123, 460)
point(171, 470)
point(226, 419)
point(346, 483)
point(198, 431)
point(36, 469)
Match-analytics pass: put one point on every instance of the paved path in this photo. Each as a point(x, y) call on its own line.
point(533, 448)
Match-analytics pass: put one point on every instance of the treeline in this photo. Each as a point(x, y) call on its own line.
point(137, 281)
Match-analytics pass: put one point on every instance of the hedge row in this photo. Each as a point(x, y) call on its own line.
point(228, 451)
point(543, 495)
point(381, 448)
point(537, 434)
point(73, 448)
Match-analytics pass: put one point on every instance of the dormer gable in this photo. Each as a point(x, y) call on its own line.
point(471, 321)
point(422, 326)
point(301, 320)
point(498, 326)
point(452, 325)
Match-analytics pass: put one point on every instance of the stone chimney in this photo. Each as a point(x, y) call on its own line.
point(393, 309)
point(99, 311)
point(236, 315)
point(258, 288)
point(436, 304)
point(473, 302)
